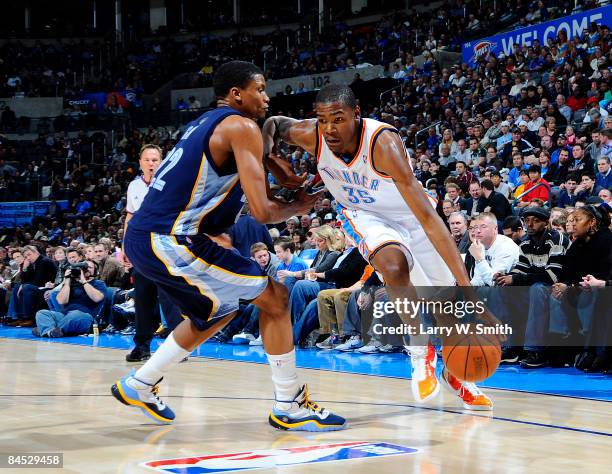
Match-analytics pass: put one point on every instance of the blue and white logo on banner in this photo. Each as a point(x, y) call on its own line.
point(275, 458)
point(574, 25)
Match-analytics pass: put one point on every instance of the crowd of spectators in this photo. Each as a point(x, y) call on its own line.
point(65, 68)
point(522, 180)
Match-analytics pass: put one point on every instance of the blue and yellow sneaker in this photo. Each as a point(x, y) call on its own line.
point(133, 392)
point(302, 414)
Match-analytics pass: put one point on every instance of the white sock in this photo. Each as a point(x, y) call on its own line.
point(168, 355)
point(284, 378)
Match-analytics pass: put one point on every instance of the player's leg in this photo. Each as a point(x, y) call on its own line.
point(431, 269)
point(392, 261)
point(139, 388)
point(293, 409)
point(184, 285)
point(383, 242)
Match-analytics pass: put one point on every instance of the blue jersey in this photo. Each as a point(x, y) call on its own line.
point(189, 195)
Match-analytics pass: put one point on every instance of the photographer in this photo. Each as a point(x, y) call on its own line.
point(81, 297)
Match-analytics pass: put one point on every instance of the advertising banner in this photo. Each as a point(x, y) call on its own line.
point(504, 43)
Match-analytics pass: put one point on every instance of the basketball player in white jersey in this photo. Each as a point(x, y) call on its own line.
point(384, 208)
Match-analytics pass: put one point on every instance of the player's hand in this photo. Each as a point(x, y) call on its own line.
point(306, 201)
point(283, 172)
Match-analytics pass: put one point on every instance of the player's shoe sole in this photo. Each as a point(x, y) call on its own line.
point(129, 396)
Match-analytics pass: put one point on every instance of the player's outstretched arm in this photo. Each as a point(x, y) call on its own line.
point(391, 158)
point(295, 132)
point(301, 133)
point(245, 141)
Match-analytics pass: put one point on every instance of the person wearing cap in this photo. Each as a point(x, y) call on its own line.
point(494, 131)
point(527, 135)
point(539, 266)
point(517, 141)
point(506, 135)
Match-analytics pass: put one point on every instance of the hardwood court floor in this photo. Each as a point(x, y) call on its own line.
point(56, 398)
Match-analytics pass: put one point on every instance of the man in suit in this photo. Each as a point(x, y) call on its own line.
point(470, 205)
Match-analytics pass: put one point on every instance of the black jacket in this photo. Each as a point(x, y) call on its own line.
point(593, 257)
point(540, 261)
point(499, 205)
point(40, 272)
point(349, 271)
point(323, 261)
point(552, 174)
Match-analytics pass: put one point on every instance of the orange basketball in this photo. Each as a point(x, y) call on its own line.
point(471, 357)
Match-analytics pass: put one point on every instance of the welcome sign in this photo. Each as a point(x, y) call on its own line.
point(574, 25)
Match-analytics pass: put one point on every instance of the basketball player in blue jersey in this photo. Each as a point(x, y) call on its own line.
point(197, 193)
point(384, 208)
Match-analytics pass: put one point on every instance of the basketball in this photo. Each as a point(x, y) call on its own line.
point(471, 357)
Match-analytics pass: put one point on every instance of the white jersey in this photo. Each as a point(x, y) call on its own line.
point(372, 211)
point(137, 190)
point(357, 184)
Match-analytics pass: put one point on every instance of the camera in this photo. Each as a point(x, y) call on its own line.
point(75, 270)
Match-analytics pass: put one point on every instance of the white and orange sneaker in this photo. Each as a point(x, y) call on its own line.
point(424, 383)
point(473, 398)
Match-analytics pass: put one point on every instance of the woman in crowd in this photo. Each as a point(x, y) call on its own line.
point(346, 271)
point(324, 259)
point(588, 257)
point(447, 139)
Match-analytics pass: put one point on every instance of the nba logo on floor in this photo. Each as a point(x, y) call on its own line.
point(270, 458)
